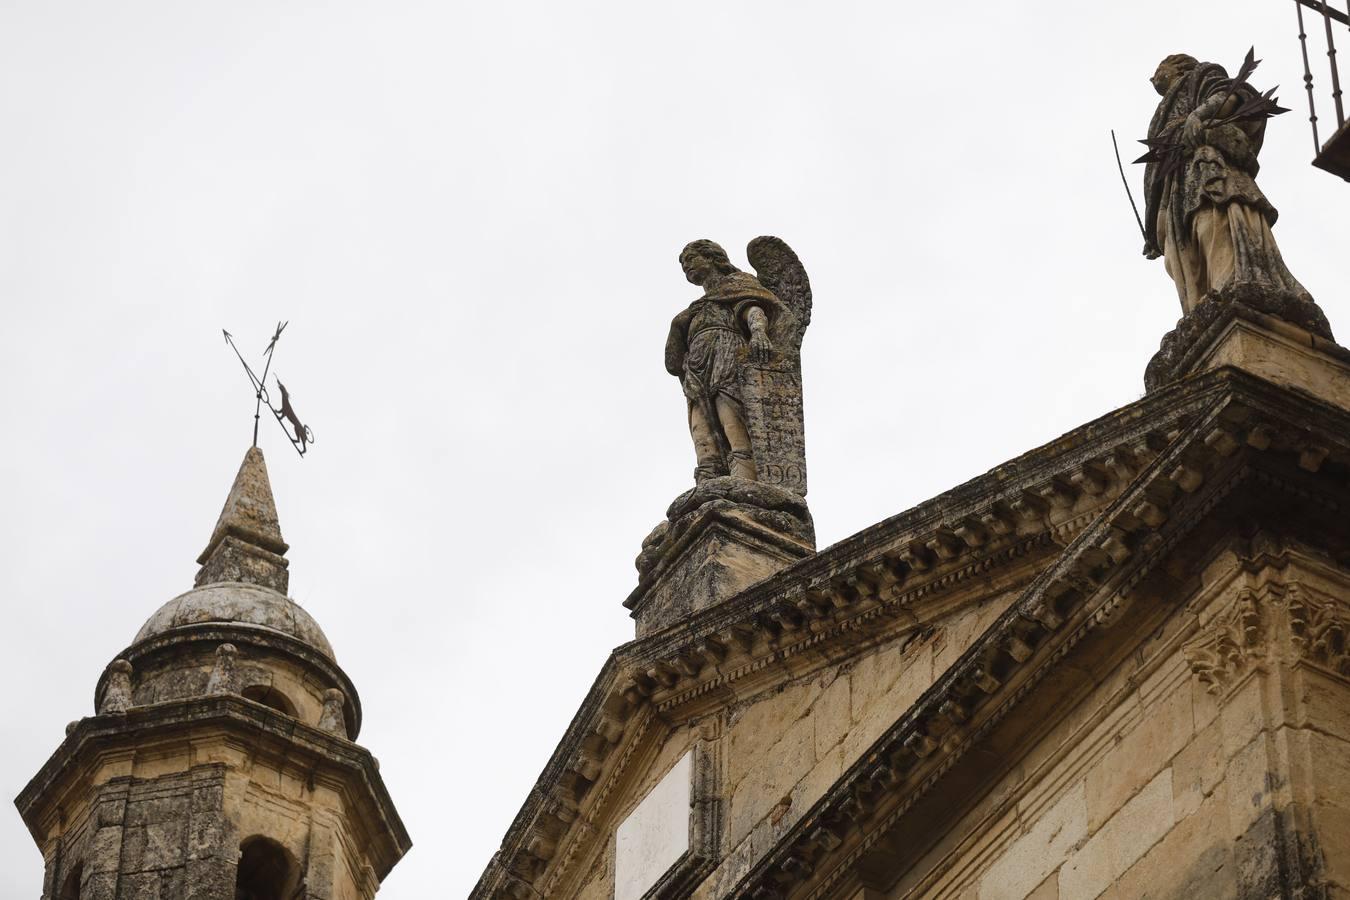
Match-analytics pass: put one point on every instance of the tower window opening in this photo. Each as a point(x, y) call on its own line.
point(269, 696)
point(266, 871)
point(71, 889)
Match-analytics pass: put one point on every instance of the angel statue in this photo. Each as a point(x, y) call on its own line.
point(736, 350)
point(1204, 213)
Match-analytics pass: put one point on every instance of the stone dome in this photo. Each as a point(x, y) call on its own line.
point(237, 603)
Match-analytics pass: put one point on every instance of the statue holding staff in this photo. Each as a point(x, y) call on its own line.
point(1204, 213)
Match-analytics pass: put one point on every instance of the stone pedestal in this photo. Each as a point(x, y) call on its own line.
point(1280, 352)
point(1269, 347)
point(718, 554)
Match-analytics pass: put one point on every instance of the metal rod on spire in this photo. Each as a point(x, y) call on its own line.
point(271, 345)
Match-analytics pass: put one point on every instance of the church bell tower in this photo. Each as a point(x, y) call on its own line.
point(221, 763)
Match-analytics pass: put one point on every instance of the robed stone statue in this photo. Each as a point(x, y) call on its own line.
point(1204, 213)
point(736, 350)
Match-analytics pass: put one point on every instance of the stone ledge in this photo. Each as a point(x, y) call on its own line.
point(1279, 352)
point(1185, 349)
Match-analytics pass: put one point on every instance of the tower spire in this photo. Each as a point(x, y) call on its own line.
point(246, 544)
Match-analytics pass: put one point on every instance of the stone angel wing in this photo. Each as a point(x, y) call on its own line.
point(779, 270)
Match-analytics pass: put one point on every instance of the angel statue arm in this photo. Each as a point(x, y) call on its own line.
point(758, 324)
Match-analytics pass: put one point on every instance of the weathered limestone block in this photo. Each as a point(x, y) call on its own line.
point(768, 784)
point(756, 726)
point(1140, 754)
point(324, 858)
point(1120, 841)
point(717, 551)
point(1038, 852)
point(1187, 862)
point(1296, 355)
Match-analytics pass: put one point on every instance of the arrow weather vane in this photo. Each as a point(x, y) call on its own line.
point(302, 436)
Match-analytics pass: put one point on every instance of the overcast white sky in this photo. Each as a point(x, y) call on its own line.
point(470, 214)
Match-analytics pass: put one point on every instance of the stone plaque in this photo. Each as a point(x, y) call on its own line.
point(773, 413)
point(655, 836)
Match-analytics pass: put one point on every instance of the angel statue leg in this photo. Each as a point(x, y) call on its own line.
point(706, 450)
point(732, 419)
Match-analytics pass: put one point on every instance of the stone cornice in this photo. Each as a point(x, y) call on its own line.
point(139, 726)
point(1041, 499)
point(1053, 496)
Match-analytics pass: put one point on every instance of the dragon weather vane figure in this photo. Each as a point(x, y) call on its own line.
point(298, 434)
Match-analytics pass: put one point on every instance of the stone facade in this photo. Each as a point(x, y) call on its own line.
point(1115, 667)
point(220, 764)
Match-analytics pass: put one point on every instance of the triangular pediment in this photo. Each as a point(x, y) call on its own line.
point(925, 585)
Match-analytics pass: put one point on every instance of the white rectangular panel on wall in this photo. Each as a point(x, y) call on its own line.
point(655, 835)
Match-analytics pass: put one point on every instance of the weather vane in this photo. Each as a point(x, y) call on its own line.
point(298, 434)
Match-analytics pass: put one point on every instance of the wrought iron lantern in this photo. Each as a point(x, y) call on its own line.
point(1334, 154)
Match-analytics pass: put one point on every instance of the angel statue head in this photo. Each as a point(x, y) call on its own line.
point(702, 259)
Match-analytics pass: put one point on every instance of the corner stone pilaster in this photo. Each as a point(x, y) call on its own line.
point(1271, 652)
point(104, 867)
point(212, 841)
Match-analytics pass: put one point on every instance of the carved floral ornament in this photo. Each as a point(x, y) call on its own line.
point(1257, 627)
